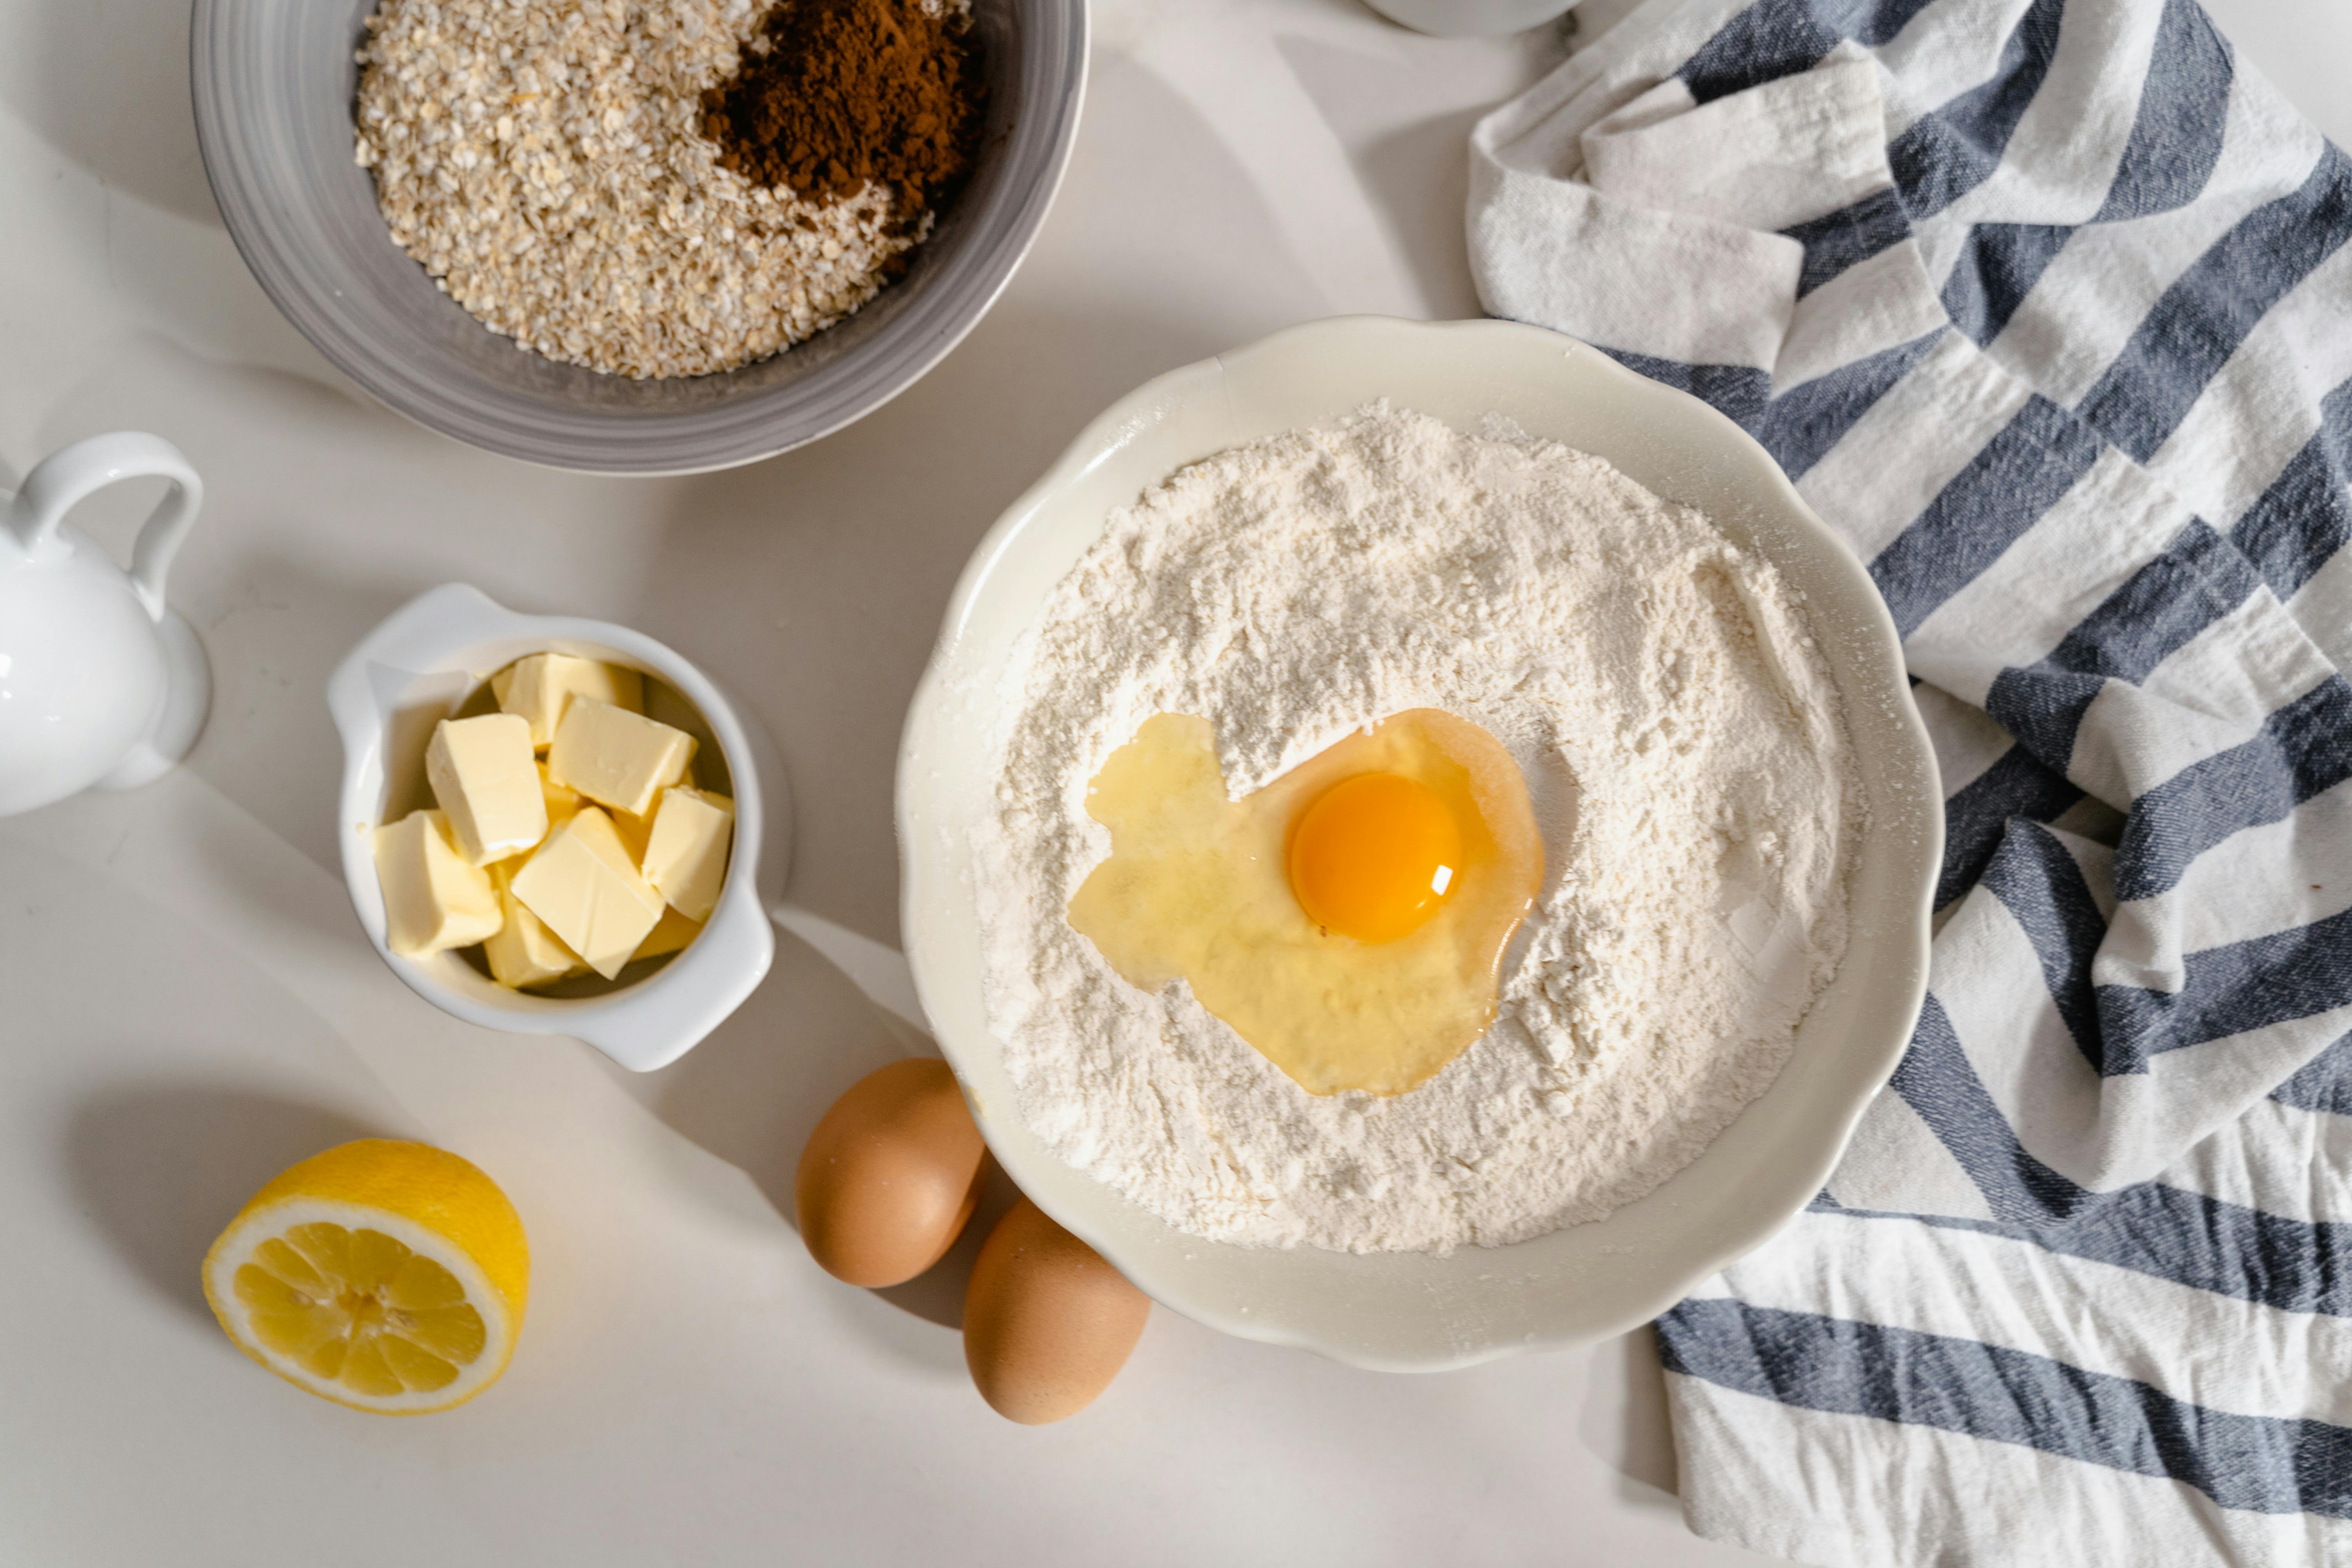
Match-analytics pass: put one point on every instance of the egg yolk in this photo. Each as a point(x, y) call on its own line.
point(1347, 920)
point(1373, 856)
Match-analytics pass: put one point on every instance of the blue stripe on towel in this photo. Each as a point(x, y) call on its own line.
point(1934, 1080)
point(2185, 1238)
point(2020, 473)
point(1876, 22)
point(1835, 1365)
point(2043, 708)
point(1802, 424)
point(1737, 390)
point(2298, 972)
point(2159, 610)
point(2305, 747)
point(2324, 1084)
point(2200, 321)
point(2183, 109)
point(2037, 880)
point(1951, 151)
point(1767, 41)
point(1977, 817)
point(2175, 143)
point(1998, 267)
point(2305, 516)
point(1838, 240)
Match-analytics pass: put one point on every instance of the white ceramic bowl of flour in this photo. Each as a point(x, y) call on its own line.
point(1411, 1311)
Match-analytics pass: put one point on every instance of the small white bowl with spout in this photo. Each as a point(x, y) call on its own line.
point(423, 665)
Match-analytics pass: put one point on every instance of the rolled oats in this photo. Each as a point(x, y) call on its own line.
point(541, 160)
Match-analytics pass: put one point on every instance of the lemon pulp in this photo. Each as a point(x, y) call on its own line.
point(357, 1308)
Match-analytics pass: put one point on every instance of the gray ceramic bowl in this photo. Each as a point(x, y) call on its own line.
point(274, 82)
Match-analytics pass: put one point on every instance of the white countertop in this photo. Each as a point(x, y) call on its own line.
point(186, 1004)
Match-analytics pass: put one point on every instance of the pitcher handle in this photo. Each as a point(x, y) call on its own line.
point(69, 475)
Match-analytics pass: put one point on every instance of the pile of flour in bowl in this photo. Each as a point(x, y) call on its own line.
point(1683, 745)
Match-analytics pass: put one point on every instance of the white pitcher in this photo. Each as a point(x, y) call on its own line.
point(100, 684)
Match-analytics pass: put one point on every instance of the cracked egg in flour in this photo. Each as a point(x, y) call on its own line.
point(1348, 919)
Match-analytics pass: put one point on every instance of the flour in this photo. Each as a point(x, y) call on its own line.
point(1681, 741)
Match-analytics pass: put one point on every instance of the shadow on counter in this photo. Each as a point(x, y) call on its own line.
point(752, 1093)
point(109, 92)
point(163, 1166)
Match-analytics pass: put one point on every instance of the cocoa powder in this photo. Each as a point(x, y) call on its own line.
point(834, 94)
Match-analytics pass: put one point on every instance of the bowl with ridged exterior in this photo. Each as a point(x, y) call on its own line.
point(274, 83)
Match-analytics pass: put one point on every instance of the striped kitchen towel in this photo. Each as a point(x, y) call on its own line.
point(2046, 306)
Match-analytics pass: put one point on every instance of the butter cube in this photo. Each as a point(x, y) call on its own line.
point(563, 804)
point(671, 932)
point(634, 832)
point(483, 780)
point(617, 758)
point(542, 686)
point(583, 885)
point(686, 858)
point(433, 897)
point(523, 951)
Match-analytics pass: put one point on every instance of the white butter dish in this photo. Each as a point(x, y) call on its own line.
point(425, 664)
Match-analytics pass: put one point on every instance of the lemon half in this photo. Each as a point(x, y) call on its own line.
point(383, 1275)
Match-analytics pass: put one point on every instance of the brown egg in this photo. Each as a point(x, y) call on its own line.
point(890, 1176)
point(1046, 1322)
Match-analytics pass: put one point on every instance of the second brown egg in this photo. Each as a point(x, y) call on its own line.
point(1046, 1322)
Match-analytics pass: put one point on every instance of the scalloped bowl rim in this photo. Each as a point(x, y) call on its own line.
point(1415, 1311)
